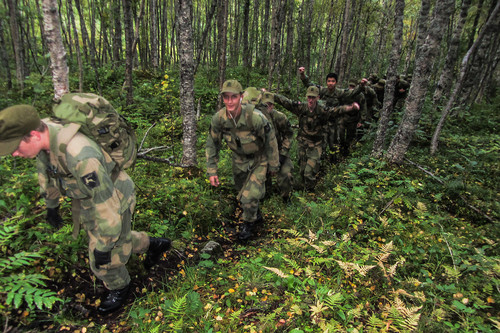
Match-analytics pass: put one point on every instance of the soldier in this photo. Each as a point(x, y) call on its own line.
point(253, 143)
point(284, 136)
point(312, 117)
point(251, 95)
point(103, 197)
point(332, 97)
point(400, 93)
point(350, 121)
point(379, 88)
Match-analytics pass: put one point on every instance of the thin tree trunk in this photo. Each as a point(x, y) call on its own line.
point(388, 107)
point(346, 29)
point(490, 27)
point(275, 29)
point(137, 25)
point(83, 28)
point(415, 101)
point(206, 32)
point(247, 58)
point(186, 83)
point(153, 9)
point(5, 59)
point(448, 73)
point(129, 61)
point(60, 77)
point(77, 45)
point(117, 34)
point(223, 43)
point(16, 42)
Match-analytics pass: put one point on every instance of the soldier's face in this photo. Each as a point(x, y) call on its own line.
point(231, 101)
point(28, 148)
point(311, 101)
point(331, 82)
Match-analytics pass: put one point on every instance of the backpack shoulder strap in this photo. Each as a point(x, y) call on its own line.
point(249, 116)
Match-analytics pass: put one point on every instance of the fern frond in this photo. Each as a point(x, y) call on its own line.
point(333, 301)
point(363, 269)
point(318, 248)
point(276, 271)
point(294, 233)
point(346, 266)
point(312, 236)
point(178, 308)
point(387, 248)
point(329, 243)
point(375, 322)
point(292, 263)
point(383, 257)
point(411, 323)
point(295, 242)
point(346, 237)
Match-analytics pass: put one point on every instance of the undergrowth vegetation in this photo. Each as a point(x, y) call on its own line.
point(376, 248)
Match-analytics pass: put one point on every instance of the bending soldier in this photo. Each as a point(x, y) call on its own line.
point(252, 140)
point(103, 197)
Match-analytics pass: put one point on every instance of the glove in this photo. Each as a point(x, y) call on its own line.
point(53, 217)
point(101, 258)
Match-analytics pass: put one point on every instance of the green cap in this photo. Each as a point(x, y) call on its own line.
point(16, 122)
point(267, 98)
point(312, 91)
point(353, 82)
point(231, 86)
point(251, 95)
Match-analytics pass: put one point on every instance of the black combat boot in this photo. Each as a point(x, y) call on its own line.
point(246, 231)
point(114, 300)
point(156, 248)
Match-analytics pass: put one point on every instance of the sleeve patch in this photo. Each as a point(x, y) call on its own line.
point(91, 180)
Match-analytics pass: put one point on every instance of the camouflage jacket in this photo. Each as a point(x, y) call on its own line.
point(311, 124)
point(78, 168)
point(249, 145)
point(336, 96)
point(282, 128)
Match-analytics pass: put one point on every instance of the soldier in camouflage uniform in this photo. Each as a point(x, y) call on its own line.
point(400, 93)
point(332, 97)
point(284, 135)
point(103, 197)
point(251, 138)
point(251, 95)
point(312, 117)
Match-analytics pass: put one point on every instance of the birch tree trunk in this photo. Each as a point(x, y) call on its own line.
point(346, 29)
point(388, 107)
point(52, 26)
point(117, 35)
point(275, 42)
point(83, 28)
point(186, 97)
point(491, 26)
point(448, 73)
point(420, 83)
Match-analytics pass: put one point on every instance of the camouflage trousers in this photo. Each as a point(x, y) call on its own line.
point(115, 274)
point(284, 177)
point(332, 139)
point(347, 133)
point(309, 161)
point(251, 187)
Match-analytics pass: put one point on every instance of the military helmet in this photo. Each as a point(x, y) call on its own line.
point(251, 95)
point(231, 86)
point(267, 98)
point(312, 91)
point(15, 123)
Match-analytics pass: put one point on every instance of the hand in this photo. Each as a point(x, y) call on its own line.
point(53, 217)
point(363, 82)
point(214, 181)
point(101, 258)
point(355, 106)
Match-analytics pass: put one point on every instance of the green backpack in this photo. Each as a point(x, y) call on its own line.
point(100, 122)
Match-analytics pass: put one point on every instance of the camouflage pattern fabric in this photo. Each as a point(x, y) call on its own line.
point(284, 135)
point(310, 136)
point(103, 202)
point(334, 98)
point(253, 149)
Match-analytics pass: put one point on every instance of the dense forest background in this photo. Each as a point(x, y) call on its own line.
point(401, 236)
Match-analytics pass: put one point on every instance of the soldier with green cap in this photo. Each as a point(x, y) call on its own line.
point(254, 148)
point(312, 119)
point(103, 197)
point(251, 95)
point(284, 135)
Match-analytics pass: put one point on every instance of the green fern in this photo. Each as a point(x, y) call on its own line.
point(333, 301)
point(178, 308)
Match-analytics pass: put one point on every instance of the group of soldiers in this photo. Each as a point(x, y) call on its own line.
point(260, 137)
